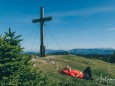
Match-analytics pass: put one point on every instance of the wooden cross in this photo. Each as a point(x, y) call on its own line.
point(42, 20)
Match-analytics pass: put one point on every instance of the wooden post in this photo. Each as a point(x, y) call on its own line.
point(42, 20)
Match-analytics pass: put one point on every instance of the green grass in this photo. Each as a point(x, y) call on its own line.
point(51, 65)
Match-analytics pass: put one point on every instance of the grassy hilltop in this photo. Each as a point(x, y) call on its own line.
point(17, 69)
point(50, 66)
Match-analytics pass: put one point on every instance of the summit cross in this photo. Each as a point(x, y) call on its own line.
point(42, 20)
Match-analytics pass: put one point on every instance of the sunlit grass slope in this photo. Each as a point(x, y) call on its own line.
point(51, 65)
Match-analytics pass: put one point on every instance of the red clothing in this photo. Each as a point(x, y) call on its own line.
point(74, 73)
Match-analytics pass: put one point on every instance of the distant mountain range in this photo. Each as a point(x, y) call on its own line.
point(103, 51)
point(92, 51)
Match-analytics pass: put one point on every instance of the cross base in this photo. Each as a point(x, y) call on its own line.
point(42, 51)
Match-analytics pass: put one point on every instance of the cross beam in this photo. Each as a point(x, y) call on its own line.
point(42, 20)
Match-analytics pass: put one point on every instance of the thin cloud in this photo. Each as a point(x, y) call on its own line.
point(18, 19)
point(82, 12)
point(85, 32)
point(110, 29)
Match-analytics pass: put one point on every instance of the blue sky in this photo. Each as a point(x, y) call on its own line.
point(75, 24)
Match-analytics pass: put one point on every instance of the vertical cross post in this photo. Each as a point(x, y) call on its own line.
point(42, 47)
point(42, 20)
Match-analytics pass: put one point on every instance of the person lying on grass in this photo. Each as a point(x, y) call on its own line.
point(86, 74)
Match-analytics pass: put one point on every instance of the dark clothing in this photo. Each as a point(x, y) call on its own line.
point(87, 74)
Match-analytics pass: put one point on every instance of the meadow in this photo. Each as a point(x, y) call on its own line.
point(51, 65)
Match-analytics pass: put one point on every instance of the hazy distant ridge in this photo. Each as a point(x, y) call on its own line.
point(92, 51)
point(103, 51)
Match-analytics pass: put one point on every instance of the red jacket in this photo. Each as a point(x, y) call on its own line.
point(74, 73)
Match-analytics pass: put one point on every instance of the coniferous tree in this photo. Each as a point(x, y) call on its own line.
point(10, 45)
point(10, 49)
point(15, 68)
